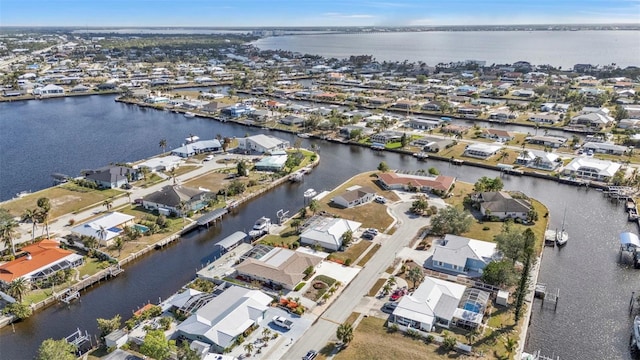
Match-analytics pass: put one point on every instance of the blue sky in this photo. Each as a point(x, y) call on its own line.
point(253, 13)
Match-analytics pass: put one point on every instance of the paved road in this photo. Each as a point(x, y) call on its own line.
point(325, 328)
point(58, 225)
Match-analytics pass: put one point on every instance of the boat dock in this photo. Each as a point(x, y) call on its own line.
point(549, 297)
point(223, 266)
point(211, 216)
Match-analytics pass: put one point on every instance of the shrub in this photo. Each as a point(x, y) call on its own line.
point(348, 262)
point(412, 333)
point(429, 339)
point(393, 328)
point(319, 285)
point(486, 228)
point(299, 286)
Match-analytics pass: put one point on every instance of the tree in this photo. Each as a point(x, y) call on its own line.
point(163, 145)
point(242, 169)
point(416, 275)
point(510, 346)
point(119, 244)
point(248, 347)
point(391, 280)
point(487, 184)
point(383, 167)
point(90, 242)
point(523, 286)
point(347, 238)
point(8, 233)
point(295, 223)
point(19, 310)
point(345, 333)
point(451, 220)
point(107, 326)
point(498, 273)
point(434, 171)
point(18, 288)
point(226, 142)
point(31, 215)
point(108, 203)
point(386, 289)
point(448, 341)
point(44, 209)
point(510, 242)
point(419, 205)
point(56, 350)
point(314, 206)
point(186, 353)
point(156, 345)
point(404, 140)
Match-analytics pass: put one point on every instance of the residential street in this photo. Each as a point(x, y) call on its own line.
point(325, 328)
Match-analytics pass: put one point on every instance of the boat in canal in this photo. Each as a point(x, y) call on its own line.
point(189, 114)
point(550, 238)
point(309, 193)
point(260, 227)
point(561, 236)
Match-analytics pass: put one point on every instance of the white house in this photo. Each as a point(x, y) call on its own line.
point(327, 232)
point(197, 147)
point(605, 148)
point(537, 159)
point(165, 163)
point(226, 317)
point(592, 169)
point(262, 143)
point(105, 228)
point(440, 303)
point(49, 90)
point(355, 196)
point(463, 255)
point(481, 151)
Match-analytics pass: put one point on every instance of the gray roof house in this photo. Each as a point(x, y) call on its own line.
point(326, 231)
point(262, 143)
point(197, 147)
point(440, 303)
point(462, 255)
point(354, 196)
point(168, 199)
point(384, 137)
point(502, 205)
point(537, 159)
point(112, 177)
point(226, 317)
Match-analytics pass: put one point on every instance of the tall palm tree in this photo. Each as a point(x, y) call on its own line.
point(345, 333)
point(163, 145)
point(119, 244)
point(18, 288)
point(102, 233)
point(31, 215)
point(248, 347)
point(108, 203)
point(391, 280)
point(510, 346)
point(415, 275)
point(44, 210)
point(8, 233)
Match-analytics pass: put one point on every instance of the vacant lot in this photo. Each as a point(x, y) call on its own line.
point(64, 199)
point(353, 251)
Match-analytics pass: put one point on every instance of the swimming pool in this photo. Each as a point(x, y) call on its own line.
point(473, 307)
point(143, 229)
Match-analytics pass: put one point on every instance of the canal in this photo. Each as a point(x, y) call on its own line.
point(67, 135)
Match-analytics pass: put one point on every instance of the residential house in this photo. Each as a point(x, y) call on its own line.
point(455, 129)
point(42, 260)
point(49, 90)
point(462, 255)
point(524, 93)
point(591, 169)
point(346, 130)
point(605, 148)
point(237, 110)
point(262, 143)
point(113, 176)
point(355, 196)
point(394, 181)
point(550, 141)
point(423, 124)
point(497, 135)
point(405, 104)
point(278, 268)
point(385, 137)
point(629, 124)
point(432, 144)
point(440, 303)
point(537, 159)
point(503, 114)
point(432, 106)
point(544, 118)
point(274, 162)
point(213, 107)
point(226, 317)
point(502, 205)
point(481, 151)
point(106, 228)
point(292, 120)
point(165, 163)
point(176, 199)
point(592, 120)
point(327, 231)
point(379, 101)
point(197, 147)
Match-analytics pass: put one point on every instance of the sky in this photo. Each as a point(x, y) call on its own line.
point(297, 13)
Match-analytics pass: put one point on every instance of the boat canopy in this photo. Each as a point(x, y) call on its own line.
point(629, 240)
point(232, 241)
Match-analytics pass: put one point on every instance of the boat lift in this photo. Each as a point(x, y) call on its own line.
point(630, 243)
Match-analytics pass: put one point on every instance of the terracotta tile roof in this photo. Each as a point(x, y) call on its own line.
point(440, 182)
point(42, 254)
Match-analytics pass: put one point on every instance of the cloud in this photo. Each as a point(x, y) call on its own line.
point(349, 16)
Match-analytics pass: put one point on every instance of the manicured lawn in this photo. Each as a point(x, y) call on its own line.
point(64, 199)
point(181, 170)
point(369, 255)
point(352, 252)
point(376, 287)
point(286, 237)
point(213, 181)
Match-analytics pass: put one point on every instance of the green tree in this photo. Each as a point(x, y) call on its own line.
point(383, 167)
point(314, 206)
point(107, 326)
point(56, 350)
point(510, 242)
point(186, 353)
point(510, 346)
point(523, 286)
point(248, 347)
point(295, 223)
point(31, 216)
point(404, 140)
point(242, 169)
point(451, 220)
point(18, 288)
point(487, 184)
point(449, 341)
point(433, 171)
point(415, 275)
point(20, 310)
point(44, 210)
point(419, 205)
point(345, 333)
point(156, 345)
point(108, 203)
point(163, 145)
point(499, 273)
point(8, 233)
point(347, 238)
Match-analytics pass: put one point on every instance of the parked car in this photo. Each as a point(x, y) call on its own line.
point(282, 322)
point(368, 235)
point(380, 200)
point(208, 158)
point(398, 293)
point(388, 307)
point(372, 230)
point(311, 354)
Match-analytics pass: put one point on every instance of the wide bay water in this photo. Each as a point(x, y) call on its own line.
point(66, 135)
point(557, 48)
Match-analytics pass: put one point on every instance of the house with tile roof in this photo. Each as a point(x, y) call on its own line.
point(396, 181)
point(170, 198)
point(355, 196)
point(42, 260)
point(279, 267)
point(502, 205)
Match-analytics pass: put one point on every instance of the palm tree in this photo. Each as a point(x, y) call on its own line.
point(391, 280)
point(510, 346)
point(314, 206)
point(18, 288)
point(8, 233)
point(415, 275)
point(108, 203)
point(386, 289)
point(102, 233)
point(119, 244)
point(345, 333)
point(163, 144)
point(31, 215)
point(44, 209)
point(295, 223)
point(89, 241)
point(248, 347)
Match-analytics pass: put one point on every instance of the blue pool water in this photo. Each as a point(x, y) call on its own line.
point(472, 307)
point(143, 229)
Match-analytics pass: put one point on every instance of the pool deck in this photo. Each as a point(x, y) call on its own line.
point(224, 265)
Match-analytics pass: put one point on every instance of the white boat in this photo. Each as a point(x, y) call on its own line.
point(304, 135)
point(191, 139)
point(550, 238)
point(260, 228)
point(561, 236)
point(636, 332)
point(309, 193)
point(189, 114)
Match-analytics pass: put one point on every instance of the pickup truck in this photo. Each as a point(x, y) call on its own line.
point(282, 322)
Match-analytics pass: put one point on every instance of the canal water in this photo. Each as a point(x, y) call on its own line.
point(67, 135)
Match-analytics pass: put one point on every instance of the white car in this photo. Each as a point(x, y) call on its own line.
point(208, 158)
